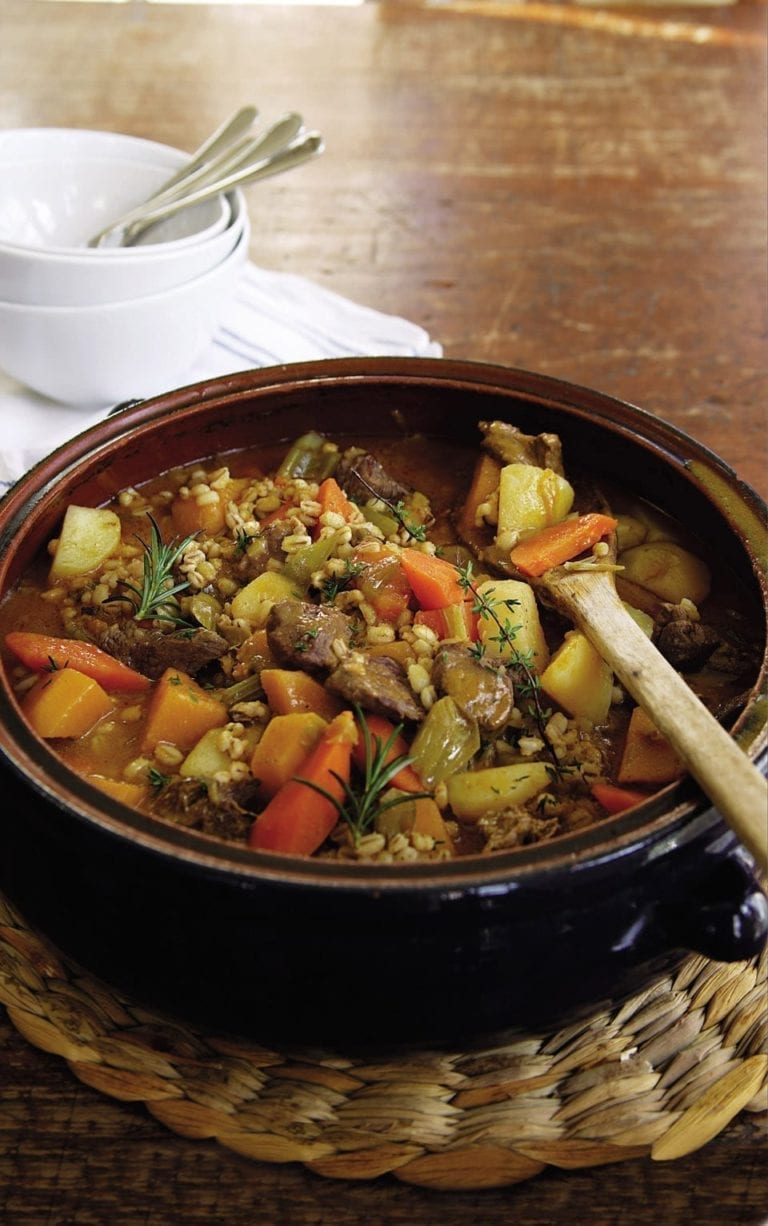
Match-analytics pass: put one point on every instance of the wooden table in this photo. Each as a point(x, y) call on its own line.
point(578, 191)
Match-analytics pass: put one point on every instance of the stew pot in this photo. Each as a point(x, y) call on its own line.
point(283, 949)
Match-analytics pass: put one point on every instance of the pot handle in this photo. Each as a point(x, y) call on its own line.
point(723, 916)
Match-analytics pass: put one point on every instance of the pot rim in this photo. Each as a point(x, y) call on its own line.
point(677, 814)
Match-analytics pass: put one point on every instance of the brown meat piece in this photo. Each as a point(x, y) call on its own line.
point(152, 651)
point(226, 810)
point(685, 642)
point(480, 691)
point(362, 477)
point(510, 446)
point(301, 635)
point(377, 684)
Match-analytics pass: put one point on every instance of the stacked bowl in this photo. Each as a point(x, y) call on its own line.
point(96, 325)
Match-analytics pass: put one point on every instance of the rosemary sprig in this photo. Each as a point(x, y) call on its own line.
point(530, 686)
point(362, 803)
point(156, 598)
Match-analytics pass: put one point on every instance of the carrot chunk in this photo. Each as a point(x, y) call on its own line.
point(560, 543)
point(66, 703)
point(180, 712)
point(331, 497)
point(615, 799)
point(42, 652)
point(434, 582)
point(381, 730)
point(298, 819)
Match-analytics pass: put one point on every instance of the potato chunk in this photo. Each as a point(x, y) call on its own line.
point(89, 535)
point(514, 602)
point(472, 794)
point(253, 602)
point(667, 570)
point(578, 679)
point(530, 499)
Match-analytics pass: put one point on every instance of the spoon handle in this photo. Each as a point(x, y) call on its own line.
point(224, 136)
point(232, 157)
point(714, 759)
point(285, 159)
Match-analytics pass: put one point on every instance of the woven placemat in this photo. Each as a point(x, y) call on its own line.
point(658, 1076)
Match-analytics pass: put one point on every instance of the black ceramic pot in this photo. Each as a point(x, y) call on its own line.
point(283, 949)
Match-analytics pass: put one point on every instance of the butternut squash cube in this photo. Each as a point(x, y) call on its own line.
point(648, 756)
point(286, 742)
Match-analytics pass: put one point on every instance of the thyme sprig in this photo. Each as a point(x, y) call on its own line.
point(334, 584)
point(529, 687)
point(156, 598)
point(362, 803)
point(414, 530)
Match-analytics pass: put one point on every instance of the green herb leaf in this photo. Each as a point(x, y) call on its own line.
point(156, 598)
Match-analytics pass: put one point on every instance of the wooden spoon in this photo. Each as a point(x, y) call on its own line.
point(716, 762)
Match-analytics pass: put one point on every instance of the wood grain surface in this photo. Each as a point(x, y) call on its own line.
point(573, 190)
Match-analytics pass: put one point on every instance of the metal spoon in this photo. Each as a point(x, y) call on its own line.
point(221, 139)
point(293, 154)
point(225, 161)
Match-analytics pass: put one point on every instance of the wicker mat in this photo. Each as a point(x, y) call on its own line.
point(658, 1077)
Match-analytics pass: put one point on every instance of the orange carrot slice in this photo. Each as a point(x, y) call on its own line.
point(298, 819)
point(560, 543)
point(434, 582)
point(44, 652)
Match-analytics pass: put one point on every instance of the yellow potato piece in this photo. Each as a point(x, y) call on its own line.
point(530, 499)
point(89, 535)
point(667, 570)
point(522, 613)
point(253, 602)
point(578, 679)
point(471, 794)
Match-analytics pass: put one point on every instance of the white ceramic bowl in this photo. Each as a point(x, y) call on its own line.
point(39, 277)
point(94, 356)
point(60, 186)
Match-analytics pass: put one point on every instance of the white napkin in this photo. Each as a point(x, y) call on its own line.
point(276, 317)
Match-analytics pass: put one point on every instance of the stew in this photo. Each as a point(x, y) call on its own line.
point(338, 649)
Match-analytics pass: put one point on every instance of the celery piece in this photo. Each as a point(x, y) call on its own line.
point(204, 608)
point(247, 690)
point(309, 458)
point(302, 563)
point(379, 518)
point(446, 742)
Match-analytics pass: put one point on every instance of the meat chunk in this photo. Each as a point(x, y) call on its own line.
point(302, 635)
point(261, 549)
point(481, 691)
point(510, 446)
point(152, 651)
point(362, 477)
point(226, 810)
point(377, 684)
point(686, 642)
